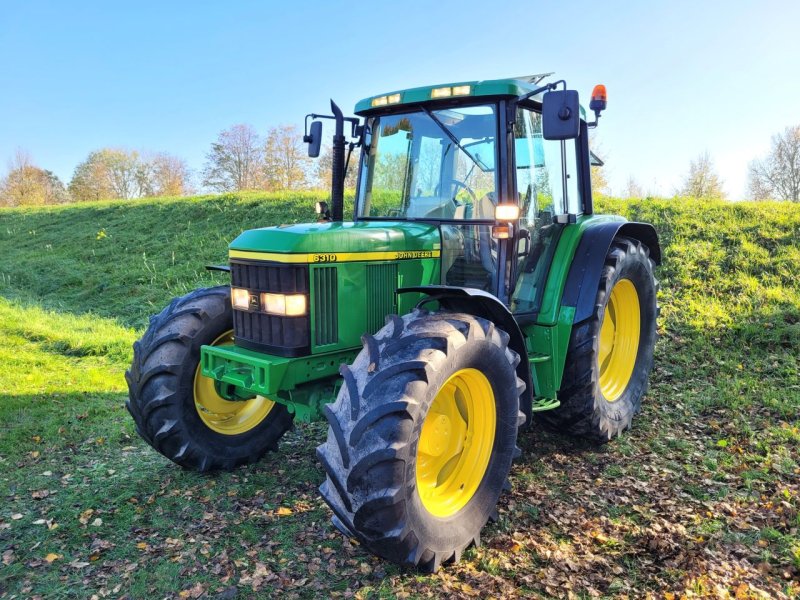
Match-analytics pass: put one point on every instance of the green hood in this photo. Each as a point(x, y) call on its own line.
point(365, 236)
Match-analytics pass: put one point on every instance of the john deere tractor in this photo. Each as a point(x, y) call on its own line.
point(474, 290)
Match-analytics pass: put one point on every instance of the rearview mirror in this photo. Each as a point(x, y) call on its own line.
point(314, 138)
point(561, 116)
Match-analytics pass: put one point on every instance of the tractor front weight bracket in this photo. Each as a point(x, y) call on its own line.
point(303, 384)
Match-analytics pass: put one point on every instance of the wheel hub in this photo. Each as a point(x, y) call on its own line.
point(455, 443)
point(619, 339)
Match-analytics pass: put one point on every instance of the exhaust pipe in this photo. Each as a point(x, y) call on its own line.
point(337, 178)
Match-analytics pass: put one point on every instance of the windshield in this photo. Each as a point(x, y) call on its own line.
point(430, 164)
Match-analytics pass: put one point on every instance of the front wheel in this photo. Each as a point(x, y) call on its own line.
point(422, 436)
point(177, 410)
point(610, 355)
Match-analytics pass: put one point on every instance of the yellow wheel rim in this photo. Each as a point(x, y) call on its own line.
point(456, 442)
point(226, 416)
point(619, 339)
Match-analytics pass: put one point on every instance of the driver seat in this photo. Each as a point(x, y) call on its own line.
point(477, 268)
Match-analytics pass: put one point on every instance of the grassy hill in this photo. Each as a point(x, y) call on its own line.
point(701, 496)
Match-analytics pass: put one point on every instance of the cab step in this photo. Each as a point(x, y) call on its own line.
point(542, 404)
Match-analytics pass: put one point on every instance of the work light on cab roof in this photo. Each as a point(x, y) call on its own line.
point(474, 290)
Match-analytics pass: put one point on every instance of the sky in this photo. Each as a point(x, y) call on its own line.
point(683, 77)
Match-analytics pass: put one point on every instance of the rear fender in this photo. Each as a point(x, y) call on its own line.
point(483, 304)
point(580, 289)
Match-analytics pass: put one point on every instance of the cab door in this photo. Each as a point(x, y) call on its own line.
point(547, 184)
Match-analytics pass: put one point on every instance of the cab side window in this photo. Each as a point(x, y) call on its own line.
point(565, 195)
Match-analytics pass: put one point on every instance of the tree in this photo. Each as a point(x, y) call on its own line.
point(702, 181)
point(109, 174)
point(323, 170)
point(163, 174)
point(235, 160)
point(124, 172)
point(90, 180)
point(285, 159)
point(599, 181)
point(121, 174)
point(633, 189)
point(27, 184)
point(596, 173)
point(778, 174)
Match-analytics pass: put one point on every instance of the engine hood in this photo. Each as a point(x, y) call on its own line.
point(346, 237)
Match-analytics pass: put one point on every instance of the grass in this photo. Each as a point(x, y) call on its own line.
point(700, 498)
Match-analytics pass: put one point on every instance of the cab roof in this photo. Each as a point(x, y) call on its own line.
point(512, 86)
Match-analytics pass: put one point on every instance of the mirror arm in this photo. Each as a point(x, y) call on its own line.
point(355, 122)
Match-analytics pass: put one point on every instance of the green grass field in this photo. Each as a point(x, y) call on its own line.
point(700, 499)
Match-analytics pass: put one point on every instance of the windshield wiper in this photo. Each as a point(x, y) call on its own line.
point(454, 139)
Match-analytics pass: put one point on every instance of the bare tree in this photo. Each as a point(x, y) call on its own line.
point(163, 174)
point(285, 159)
point(323, 170)
point(27, 184)
point(633, 189)
point(596, 173)
point(778, 174)
point(235, 160)
point(702, 180)
point(124, 173)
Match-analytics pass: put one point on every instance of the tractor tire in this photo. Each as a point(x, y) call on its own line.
point(610, 354)
point(422, 435)
point(177, 410)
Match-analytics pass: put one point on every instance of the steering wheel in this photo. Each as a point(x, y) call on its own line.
point(461, 185)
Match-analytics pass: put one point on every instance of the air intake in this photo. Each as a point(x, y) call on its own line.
point(381, 294)
point(326, 306)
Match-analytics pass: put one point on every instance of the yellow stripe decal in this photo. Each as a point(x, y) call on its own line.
point(333, 257)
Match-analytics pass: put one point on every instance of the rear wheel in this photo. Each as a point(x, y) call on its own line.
point(177, 410)
point(610, 355)
point(422, 436)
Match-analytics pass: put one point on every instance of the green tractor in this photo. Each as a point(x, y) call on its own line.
point(474, 290)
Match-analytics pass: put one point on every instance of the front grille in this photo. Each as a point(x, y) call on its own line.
point(270, 277)
point(282, 336)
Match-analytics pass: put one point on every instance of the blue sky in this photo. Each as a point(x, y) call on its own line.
point(683, 77)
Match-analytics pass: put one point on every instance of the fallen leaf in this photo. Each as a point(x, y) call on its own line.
point(283, 511)
point(52, 557)
point(16, 516)
point(97, 522)
point(76, 564)
point(84, 517)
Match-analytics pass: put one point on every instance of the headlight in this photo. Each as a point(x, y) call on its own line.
point(288, 305)
point(506, 212)
point(240, 298)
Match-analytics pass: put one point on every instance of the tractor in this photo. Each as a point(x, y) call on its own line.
point(473, 291)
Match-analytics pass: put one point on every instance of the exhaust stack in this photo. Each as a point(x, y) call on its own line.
point(337, 178)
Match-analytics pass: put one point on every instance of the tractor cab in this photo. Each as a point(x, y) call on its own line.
point(472, 157)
